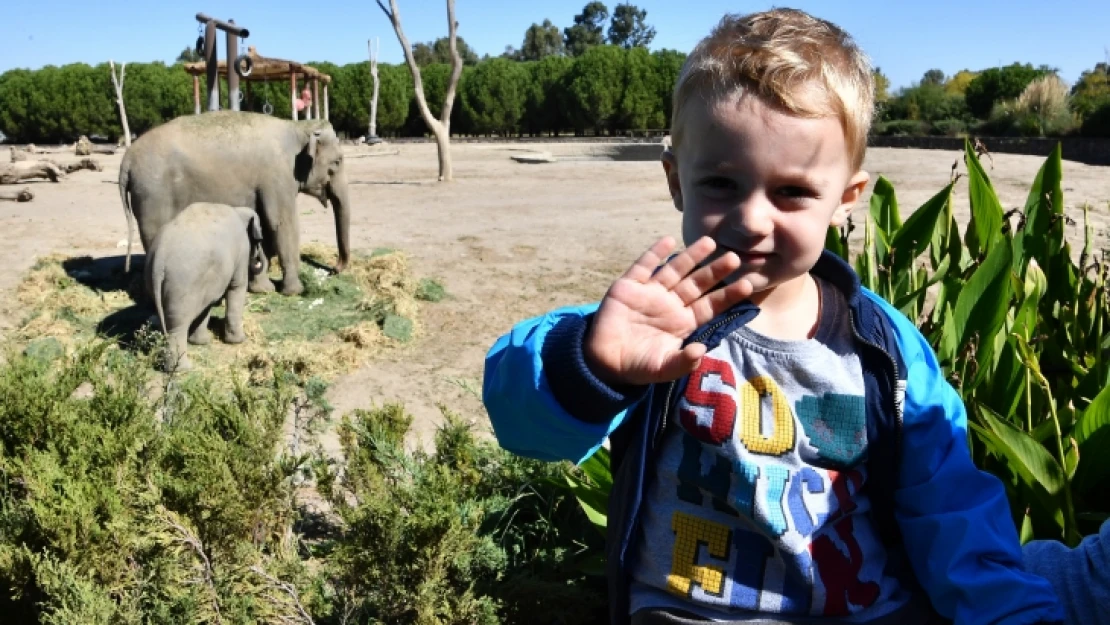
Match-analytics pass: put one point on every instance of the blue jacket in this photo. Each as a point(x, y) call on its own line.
point(1081, 576)
point(960, 540)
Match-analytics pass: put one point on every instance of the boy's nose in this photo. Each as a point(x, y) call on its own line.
point(752, 218)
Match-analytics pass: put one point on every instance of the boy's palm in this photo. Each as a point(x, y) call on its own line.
point(636, 336)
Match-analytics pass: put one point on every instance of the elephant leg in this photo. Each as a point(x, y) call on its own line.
point(176, 357)
point(233, 325)
point(199, 334)
point(288, 239)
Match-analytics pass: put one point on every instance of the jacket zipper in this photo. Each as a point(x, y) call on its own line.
point(894, 367)
point(670, 388)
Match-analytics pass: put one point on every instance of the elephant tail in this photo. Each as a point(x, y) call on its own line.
point(124, 183)
point(157, 279)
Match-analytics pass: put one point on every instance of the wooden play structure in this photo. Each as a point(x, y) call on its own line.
point(250, 68)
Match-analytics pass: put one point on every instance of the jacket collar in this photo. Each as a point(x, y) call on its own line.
point(830, 268)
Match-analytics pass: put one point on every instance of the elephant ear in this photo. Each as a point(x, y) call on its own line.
point(303, 163)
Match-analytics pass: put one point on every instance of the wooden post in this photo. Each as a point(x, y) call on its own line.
point(293, 93)
point(327, 117)
point(211, 64)
point(316, 97)
point(232, 75)
point(196, 94)
point(250, 97)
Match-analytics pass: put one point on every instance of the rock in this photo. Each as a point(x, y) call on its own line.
point(84, 146)
point(533, 158)
point(84, 391)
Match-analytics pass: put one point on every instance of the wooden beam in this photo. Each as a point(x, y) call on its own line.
point(232, 75)
point(293, 94)
point(326, 116)
point(316, 98)
point(196, 94)
point(228, 26)
point(212, 65)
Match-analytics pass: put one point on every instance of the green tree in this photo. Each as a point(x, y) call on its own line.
point(882, 85)
point(628, 28)
point(439, 51)
point(494, 96)
point(189, 55)
point(933, 77)
point(1092, 90)
point(540, 41)
point(668, 64)
point(595, 88)
point(17, 87)
point(926, 102)
point(546, 106)
point(587, 30)
point(640, 104)
point(998, 84)
point(957, 84)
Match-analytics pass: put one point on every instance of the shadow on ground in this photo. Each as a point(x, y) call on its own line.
point(107, 275)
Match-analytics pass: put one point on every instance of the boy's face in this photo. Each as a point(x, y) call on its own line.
point(762, 184)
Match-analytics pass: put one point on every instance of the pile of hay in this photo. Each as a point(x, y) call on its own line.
point(336, 324)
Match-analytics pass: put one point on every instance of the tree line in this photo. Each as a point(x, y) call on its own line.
point(606, 90)
point(595, 76)
point(1012, 100)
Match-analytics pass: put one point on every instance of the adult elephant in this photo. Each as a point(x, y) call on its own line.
point(240, 159)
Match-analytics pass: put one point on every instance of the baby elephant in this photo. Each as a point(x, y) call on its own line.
point(206, 252)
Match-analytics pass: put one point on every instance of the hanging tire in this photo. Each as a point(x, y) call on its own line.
point(200, 46)
point(244, 65)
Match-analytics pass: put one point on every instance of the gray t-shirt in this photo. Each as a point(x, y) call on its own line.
point(758, 507)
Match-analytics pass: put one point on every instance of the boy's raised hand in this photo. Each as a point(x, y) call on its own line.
point(637, 334)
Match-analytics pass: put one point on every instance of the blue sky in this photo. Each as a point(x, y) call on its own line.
point(903, 38)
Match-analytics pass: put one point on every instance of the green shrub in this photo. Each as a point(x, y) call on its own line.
point(1097, 124)
point(465, 534)
point(116, 508)
point(949, 128)
point(901, 127)
point(1019, 329)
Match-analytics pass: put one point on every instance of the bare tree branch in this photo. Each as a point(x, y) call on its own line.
point(441, 128)
point(119, 99)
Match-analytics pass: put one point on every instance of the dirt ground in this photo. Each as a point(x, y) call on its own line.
point(507, 240)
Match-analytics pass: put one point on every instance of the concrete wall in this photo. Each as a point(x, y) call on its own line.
point(1089, 150)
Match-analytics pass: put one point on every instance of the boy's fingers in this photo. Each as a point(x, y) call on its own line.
point(683, 362)
point(705, 278)
point(642, 270)
point(674, 271)
point(720, 300)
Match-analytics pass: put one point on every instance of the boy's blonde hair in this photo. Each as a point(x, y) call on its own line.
point(790, 60)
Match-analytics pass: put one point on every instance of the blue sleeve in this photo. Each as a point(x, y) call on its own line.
point(955, 519)
point(542, 399)
point(1080, 576)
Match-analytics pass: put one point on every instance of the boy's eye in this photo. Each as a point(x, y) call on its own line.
point(797, 192)
point(718, 182)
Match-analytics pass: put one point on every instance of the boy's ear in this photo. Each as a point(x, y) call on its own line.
point(670, 169)
point(852, 193)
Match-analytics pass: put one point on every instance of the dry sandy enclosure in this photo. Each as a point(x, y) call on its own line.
point(507, 240)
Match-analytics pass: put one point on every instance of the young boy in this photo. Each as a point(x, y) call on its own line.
point(784, 445)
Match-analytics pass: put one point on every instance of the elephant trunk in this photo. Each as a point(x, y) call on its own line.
point(340, 202)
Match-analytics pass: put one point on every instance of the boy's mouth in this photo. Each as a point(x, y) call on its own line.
point(751, 257)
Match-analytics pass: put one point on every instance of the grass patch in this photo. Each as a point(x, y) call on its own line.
point(334, 325)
